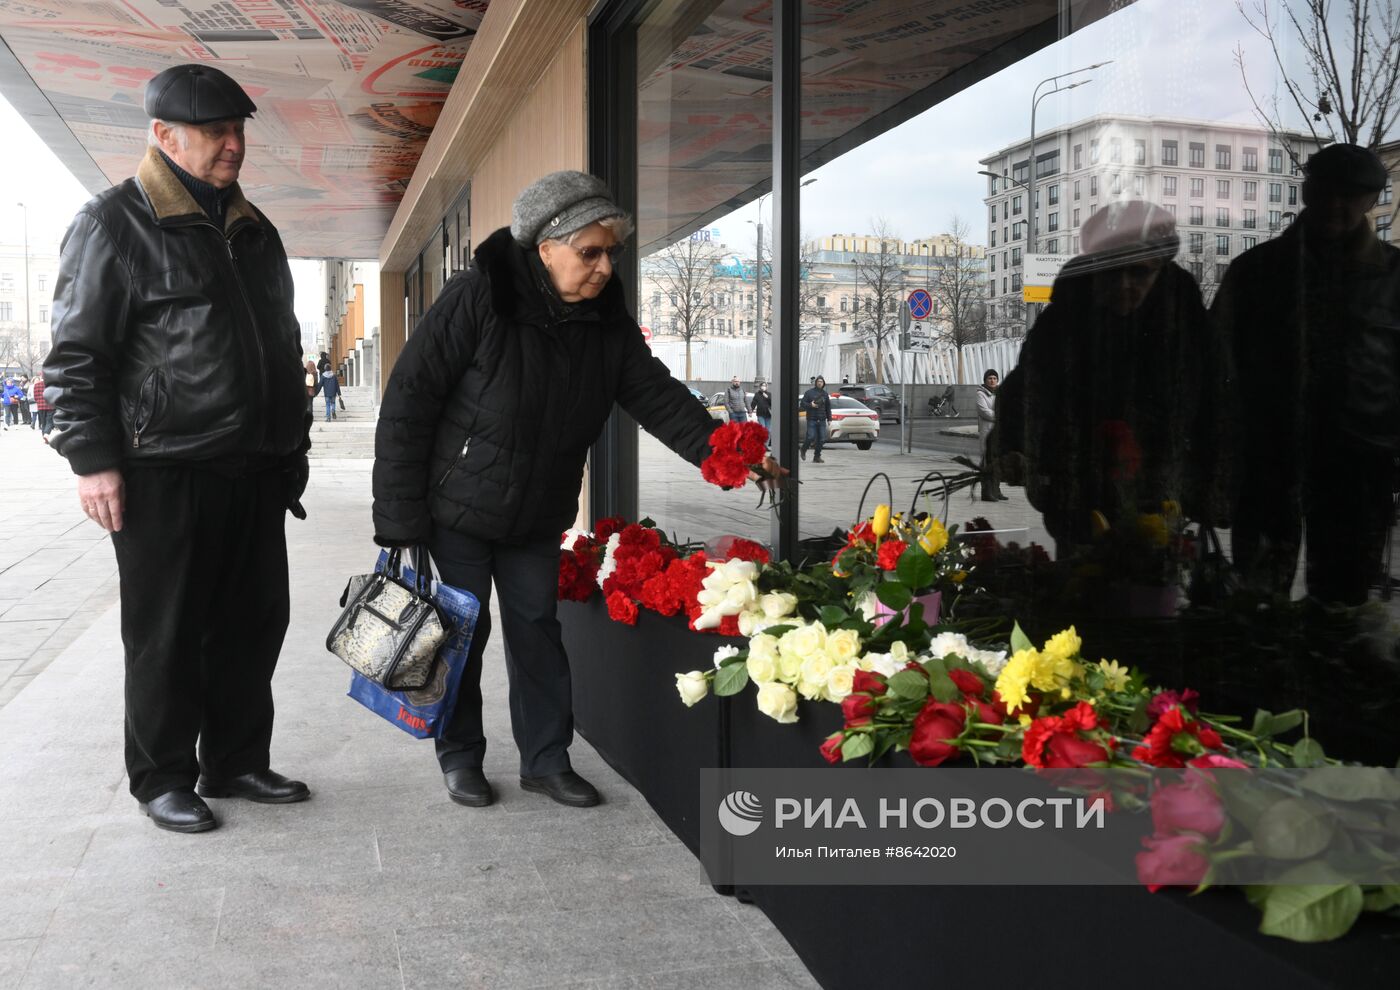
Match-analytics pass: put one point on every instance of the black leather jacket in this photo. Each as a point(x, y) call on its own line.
point(174, 341)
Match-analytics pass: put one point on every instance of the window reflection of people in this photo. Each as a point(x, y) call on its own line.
point(1106, 416)
point(1314, 316)
point(816, 403)
point(986, 419)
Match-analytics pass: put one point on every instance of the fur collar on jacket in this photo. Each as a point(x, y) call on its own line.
point(518, 285)
point(171, 201)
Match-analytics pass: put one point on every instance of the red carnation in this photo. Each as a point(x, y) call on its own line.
point(1175, 737)
point(1054, 742)
point(741, 549)
point(607, 527)
point(1165, 700)
point(861, 532)
point(726, 471)
point(934, 726)
point(888, 558)
point(622, 609)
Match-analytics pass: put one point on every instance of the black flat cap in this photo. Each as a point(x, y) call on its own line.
point(196, 94)
point(1347, 165)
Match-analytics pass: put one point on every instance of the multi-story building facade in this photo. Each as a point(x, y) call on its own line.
point(1229, 188)
point(1383, 213)
point(24, 342)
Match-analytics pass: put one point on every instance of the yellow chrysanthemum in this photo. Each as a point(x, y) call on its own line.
point(1115, 675)
point(880, 522)
point(959, 577)
point(1015, 678)
point(1065, 643)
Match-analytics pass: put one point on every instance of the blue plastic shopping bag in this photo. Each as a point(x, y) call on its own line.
point(426, 712)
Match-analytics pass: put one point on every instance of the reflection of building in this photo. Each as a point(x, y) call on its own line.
point(1386, 206)
point(352, 320)
point(20, 351)
point(1229, 187)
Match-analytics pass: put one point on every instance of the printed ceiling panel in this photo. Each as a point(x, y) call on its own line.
point(347, 92)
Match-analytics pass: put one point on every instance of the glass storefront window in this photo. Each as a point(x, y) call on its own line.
point(1170, 508)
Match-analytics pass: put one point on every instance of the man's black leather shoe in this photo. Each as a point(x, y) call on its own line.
point(566, 788)
point(262, 786)
point(180, 811)
point(469, 786)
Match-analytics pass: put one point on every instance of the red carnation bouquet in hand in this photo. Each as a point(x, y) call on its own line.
point(737, 449)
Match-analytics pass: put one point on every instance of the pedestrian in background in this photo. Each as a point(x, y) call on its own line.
point(330, 389)
point(176, 380)
point(986, 419)
point(325, 363)
point(313, 383)
point(44, 408)
point(762, 406)
point(816, 403)
point(736, 403)
point(13, 397)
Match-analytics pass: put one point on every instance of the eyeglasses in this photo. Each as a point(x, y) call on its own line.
point(592, 254)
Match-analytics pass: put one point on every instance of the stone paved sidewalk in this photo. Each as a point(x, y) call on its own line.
point(379, 881)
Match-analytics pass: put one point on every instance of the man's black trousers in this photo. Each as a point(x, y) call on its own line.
point(541, 690)
point(203, 565)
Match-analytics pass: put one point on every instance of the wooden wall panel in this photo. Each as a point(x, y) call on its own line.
point(392, 332)
point(545, 134)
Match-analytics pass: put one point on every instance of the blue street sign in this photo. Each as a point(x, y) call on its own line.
point(920, 304)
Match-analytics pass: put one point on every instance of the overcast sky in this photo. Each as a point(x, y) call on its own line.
point(1174, 58)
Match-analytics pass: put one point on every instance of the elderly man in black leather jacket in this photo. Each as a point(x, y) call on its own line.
point(176, 379)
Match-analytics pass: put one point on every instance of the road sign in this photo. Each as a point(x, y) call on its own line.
point(919, 338)
point(1041, 270)
point(904, 319)
point(920, 304)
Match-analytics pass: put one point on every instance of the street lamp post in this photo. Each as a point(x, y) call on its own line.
point(758, 289)
point(28, 342)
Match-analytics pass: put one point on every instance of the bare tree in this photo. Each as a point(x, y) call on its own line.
point(685, 272)
point(958, 286)
point(811, 314)
point(1007, 318)
point(879, 292)
point(1352, 90)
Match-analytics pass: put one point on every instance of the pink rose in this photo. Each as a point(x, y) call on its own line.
point(1171, 861)
point(1191, 806)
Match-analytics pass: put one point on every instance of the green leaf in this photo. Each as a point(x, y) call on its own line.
point(909, 684)
point(731, 679)
point(1019, 640)
point(1383, 898)
point(1308, 753)
point(1352, 783)
point(1257, 895)
point(832, 616)
point(1292, 829)
point(776, 631)
point(894, 595)
point(1268, 724)
point(1311, 913)
point(915, 567)
point(857, 746)
point(943, 688)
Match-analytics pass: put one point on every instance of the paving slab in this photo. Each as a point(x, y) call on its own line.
point(378, 881)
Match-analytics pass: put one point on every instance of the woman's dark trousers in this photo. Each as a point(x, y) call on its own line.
point(202, 559)
point(541, 690)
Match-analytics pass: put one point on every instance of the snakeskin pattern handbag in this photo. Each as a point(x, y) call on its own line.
point(390, 630)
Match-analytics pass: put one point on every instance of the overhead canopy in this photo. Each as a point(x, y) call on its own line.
point(347, 91)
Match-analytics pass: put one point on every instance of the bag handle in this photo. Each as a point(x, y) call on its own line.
point(919, 490)
point(419, 561)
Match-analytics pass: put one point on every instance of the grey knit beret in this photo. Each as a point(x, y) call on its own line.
point(559, 204)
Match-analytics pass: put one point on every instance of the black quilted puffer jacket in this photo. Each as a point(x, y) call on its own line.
point(492, 406)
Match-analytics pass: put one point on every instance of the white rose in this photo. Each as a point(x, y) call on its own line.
point(571, 535)
point(609, 558)
point(843, 645)
point(814, 673)
point(789, 667)
point(993, 660)
point(948, 642)
point(899, 653)
point(751, 623)
point(734, 571)
point(778, 702)
point(778, 604)
point(764, 645)
point(880, 663)
point(762, 668)
point(840, 681)
point(724, 653)
point(692, 687)
point(742, 595)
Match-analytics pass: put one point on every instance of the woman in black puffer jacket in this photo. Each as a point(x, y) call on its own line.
point(484, 430)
